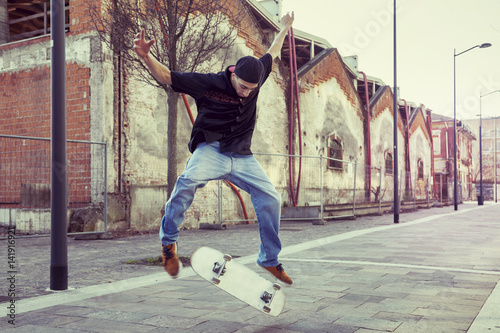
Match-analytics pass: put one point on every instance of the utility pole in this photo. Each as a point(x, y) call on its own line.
point(58, 193)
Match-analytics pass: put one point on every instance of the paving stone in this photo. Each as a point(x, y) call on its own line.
point(398, 317)
point(44, 319)
point(262, 329)
point(129, 317)
point(172, 322)
point(315, 327)
point(107, 326)
point(217, 326)
point(68, 310)
point(45, 329)
point(368, 323)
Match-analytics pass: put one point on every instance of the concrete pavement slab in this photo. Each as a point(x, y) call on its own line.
point(433, 272)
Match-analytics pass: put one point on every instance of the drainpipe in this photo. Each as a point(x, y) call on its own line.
point(408, 164)
point(290, 130)
point(368, 154)
point(429, 125)
point(299, 128)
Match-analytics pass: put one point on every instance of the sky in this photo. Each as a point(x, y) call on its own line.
point(428, 34)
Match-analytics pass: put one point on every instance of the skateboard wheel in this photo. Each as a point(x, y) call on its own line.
point(276, 286)
point(267, 309)
point(227, 257)
point(215, 281)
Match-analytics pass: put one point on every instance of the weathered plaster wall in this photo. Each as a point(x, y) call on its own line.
point(327, 111)
point(382, 141)
point(420, 149)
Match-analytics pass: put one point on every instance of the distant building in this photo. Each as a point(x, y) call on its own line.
point(490, 147)
point(443, 138)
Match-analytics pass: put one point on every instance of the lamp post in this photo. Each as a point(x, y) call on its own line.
point(395, 127)
point(495, 156)
point(480, 199)
point(455, 55)
point(495, 153)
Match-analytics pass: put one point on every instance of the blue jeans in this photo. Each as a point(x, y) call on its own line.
point(208, 163)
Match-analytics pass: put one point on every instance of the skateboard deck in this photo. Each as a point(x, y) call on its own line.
point(238, 280)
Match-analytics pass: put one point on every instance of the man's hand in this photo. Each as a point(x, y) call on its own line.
point(287, 21)
point(141, 46)
point(159, 71)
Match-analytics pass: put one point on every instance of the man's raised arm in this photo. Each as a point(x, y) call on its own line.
point(159, 71)
point(286, 23)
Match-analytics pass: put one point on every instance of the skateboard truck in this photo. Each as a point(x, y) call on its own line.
point(220, 269)
point(268, 298)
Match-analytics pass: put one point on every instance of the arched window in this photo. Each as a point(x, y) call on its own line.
point(388, 163)
point(335, 151)
point(420, 165)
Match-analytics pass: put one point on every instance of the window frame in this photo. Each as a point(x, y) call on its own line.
point(388, 157)
point(337, 163)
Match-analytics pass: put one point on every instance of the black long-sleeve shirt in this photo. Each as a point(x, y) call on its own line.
point(222, 115)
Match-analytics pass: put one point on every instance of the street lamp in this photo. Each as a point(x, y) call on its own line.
point(480, 199)
point(495, 152)
point(455, 55)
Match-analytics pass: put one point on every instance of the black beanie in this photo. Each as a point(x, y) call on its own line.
point(249, 69)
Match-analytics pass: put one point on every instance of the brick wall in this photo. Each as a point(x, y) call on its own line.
point(79, 18)
point(25, 108)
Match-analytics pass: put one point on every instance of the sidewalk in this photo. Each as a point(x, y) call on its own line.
point(436, 271)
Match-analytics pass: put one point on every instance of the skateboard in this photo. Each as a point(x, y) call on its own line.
point(238, 280)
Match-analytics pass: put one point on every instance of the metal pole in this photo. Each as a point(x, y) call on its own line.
point(105, 186)
point(354, 192)
point(427, 187)
point(380, 191)
point(219, 194)
point(321, 189)
point(495, 156)
point(480, 199)
point(441, 188)
point(454, 131)
point(455, 182)
point(395, 107)
point(59, 197)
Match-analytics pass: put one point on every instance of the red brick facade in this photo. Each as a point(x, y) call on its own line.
point(25, 110)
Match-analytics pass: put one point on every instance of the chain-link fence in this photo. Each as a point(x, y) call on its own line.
point(25, 193)
point(313, 188)
point(329, 188)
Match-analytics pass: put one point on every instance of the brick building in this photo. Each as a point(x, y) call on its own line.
point(491, 147)
point(346, 115)
point(442, 132)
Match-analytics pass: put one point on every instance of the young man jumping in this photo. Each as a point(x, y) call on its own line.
point(220, 146)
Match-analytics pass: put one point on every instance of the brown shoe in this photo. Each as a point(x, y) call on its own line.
point(171, 262)
point(279, 273)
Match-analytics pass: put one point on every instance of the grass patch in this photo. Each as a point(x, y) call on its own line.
point(156, 261)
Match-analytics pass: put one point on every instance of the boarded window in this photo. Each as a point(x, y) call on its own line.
point(335, 152)
point(388, 163)
point(420, 169)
